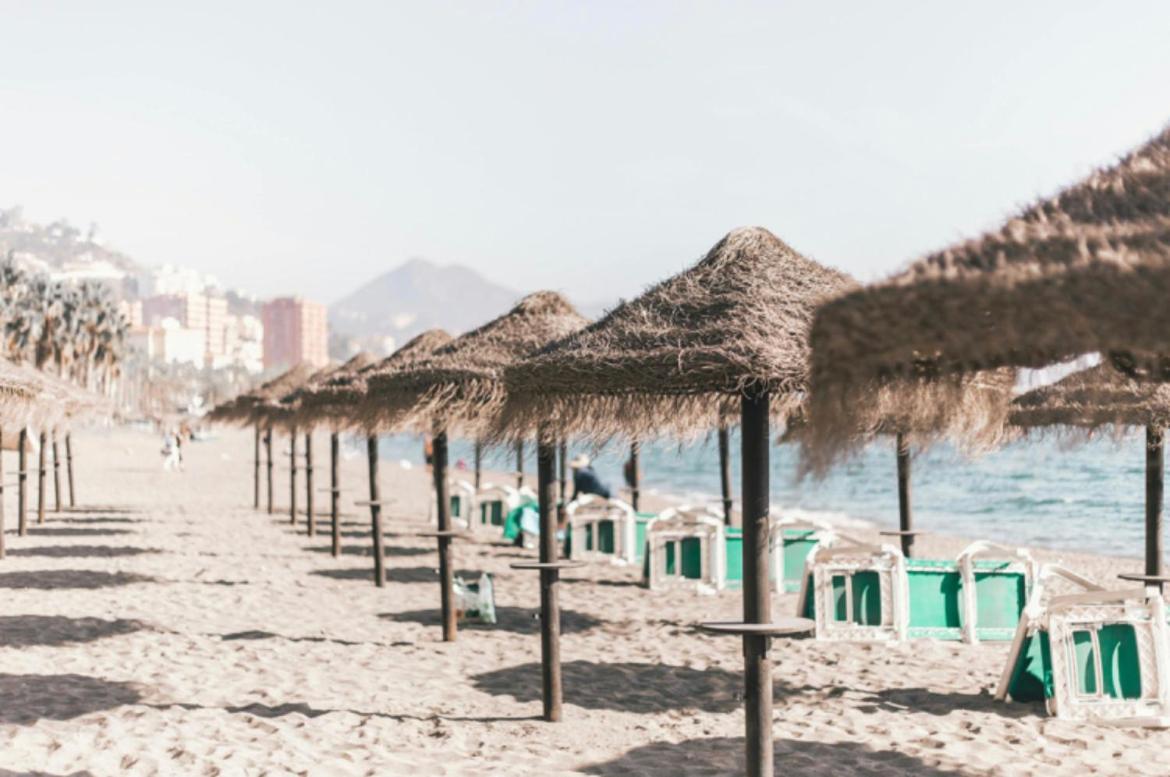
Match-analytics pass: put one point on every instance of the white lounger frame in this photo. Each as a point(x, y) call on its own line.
point(828, 561)
point(823, 533)
point(586, 513)
point(673, 526)
point(1019, 560)
point(489, 493)
point(1062, 615)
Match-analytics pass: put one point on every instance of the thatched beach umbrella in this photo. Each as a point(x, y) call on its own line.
point(729, 331)
point(242, 410)
point(308, 412)
point(1101, 398)
point(337, 401)
point(460, 388)
point(21, 398)
point(1085, 270)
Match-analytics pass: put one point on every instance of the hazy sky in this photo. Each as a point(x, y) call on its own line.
point(592, 147)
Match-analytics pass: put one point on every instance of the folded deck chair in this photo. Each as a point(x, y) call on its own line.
point(493, 503)
point(685, 546)
point(601, 528)
point(855, 591)
point(462, 502)
point(1094, 655)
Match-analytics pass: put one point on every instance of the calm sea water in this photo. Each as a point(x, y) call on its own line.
point(1087, 497)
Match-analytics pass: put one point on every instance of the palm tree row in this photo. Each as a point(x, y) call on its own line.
point(73, 330)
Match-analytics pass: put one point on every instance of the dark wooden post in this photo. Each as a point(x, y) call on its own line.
point(550, 613)
point(519, 464)
point(757, 593)
point(255, 468)
point(56, 474)
point(443, 503)
point(309, 484)
point(269, 463)
point(1154, 469)
point(69, 471)
point(292, 477)
point(562, 479)
point(725, 472)
point(335, 492)
point(22, 482)
point(41, 484)
point(905, 518)
point(2, 550)
point(376, 512)
point(478, 464)
point(634, 493)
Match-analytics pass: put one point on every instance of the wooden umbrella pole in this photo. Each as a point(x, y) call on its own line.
point(757, 593)
point(56, 474)
point(520, 464)
point(634, 492)
point(268, 464)
point(376, 512)
point(22, 482)
point(1155, 462)
point(725, 472)
point(292, 477)
point(443, 504)
point(562, 480)
point(905, 518)
point(44, 443)
point(69, 471)
point(334, 493)
point(309, 484)
point(478, 464)
point(255, 468)
point(550, 613)
point(2, 549)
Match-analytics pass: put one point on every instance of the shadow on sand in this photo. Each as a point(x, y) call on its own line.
point(368, 552)
point(74, 531)
point(55, 630)
point(624, 686)
point(724, 755)
point(301, 708)
point(27, 698)
point(82, 551)
point(513, 619)
point(50, 579)
point(394, 574)
point(101, 519)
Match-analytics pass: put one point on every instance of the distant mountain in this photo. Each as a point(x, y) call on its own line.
point(417, 296)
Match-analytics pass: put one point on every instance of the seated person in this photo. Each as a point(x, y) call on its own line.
point(585, 480)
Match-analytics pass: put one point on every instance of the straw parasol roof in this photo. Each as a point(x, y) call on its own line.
point(26, 395)
point(297, 403)
point(1092, 399)
point(674, 359)
point(337, 397)
point(461, 383)
point(1085, 270)
point(240, 410)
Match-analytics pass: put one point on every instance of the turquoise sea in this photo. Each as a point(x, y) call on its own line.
point(1086, 497)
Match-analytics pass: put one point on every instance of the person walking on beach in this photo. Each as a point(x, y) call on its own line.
point(170, 452)
point(585, 480)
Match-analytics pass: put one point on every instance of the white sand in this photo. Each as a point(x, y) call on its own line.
point(193, 635)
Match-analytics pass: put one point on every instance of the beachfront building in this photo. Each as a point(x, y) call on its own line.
point(296, 331)
point(201, 312)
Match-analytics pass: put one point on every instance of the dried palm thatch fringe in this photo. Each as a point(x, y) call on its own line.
point(1085, 270)
point(460, 386)
point(293, 411)
point(1092, 400)
point(674, 360)
point(336, 400)
point(239, 410)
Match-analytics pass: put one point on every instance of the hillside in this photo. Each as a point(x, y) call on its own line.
point(417, 296)
point(55, 246)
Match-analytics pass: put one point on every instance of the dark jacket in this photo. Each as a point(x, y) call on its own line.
point(585, 481)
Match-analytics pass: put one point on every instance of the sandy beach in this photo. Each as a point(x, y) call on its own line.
point(186, 633)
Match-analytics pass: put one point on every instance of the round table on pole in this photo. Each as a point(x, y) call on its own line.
point(784, 627)
point(1151, 580)
point(547, 565)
